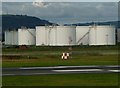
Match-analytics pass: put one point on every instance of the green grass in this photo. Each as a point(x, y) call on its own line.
point(62, 80)
point(56, 61)
point(60, 48)
point(51, 56)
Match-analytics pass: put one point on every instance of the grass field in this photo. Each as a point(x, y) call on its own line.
point(62, 80)
point(51, 56)
point(54, 61)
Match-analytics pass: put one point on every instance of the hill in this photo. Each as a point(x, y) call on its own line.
point(115, 23)
point(16, 21)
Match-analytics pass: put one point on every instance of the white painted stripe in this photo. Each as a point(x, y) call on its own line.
point(114, 70)
point(65, 67)
point(54, 67)
point(113, 66)
point(40, 73)
point(77, 66)
point(77, 70)
point(40, 67)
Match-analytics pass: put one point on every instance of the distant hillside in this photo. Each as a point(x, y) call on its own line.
point(115, 23)
point(16, 21)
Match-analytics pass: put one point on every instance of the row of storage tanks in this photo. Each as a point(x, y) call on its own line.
point(62, 36)
point(21, 36)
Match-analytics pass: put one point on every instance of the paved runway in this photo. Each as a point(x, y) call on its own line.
point(60, 70)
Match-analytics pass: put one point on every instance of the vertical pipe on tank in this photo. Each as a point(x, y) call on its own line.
point(46, 34)
point(107, 38)
point(89, 34)
point(56, 35)
point(95, 34)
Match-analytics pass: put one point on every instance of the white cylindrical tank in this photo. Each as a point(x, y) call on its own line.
point(102, 35)
point(46, 35)
point(66, 35)
point(7, 37)
point(15, 37)
point(11, 37)
point(55, 35)
point(118, 35)
point(41, 35)
point(52, 35)
point(82, 35)
point(26, 36)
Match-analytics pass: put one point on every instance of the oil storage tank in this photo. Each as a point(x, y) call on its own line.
point(11, 37)
point(22, 36)
point(102, 35)
point(118, 35)
point(52, 35)
point(55, 35)
point(26, 36)
point(41, 35)
point(8, 36)
point(82, 35)
point(46, 35)
point(66, 35)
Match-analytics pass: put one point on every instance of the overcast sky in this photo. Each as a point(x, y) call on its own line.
point(61, 0)
point(65, 12)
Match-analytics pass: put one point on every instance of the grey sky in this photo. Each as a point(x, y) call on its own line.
point(66, 12)
point(61, 0)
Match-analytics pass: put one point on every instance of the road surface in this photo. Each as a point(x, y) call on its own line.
point(60, 70)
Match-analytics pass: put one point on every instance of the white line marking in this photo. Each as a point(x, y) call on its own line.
point(55, 67)
point(84, 70)
point(76, 66)
point(114, 70)
point(64, 67)
point(40, 67)
point(113, 66)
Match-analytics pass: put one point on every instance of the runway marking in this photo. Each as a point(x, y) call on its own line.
point(55, 67)
point(41, 67)
point(77, 66)
point(62, 71)
point(113, 66)
point(76, 70)
point(114, 70)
